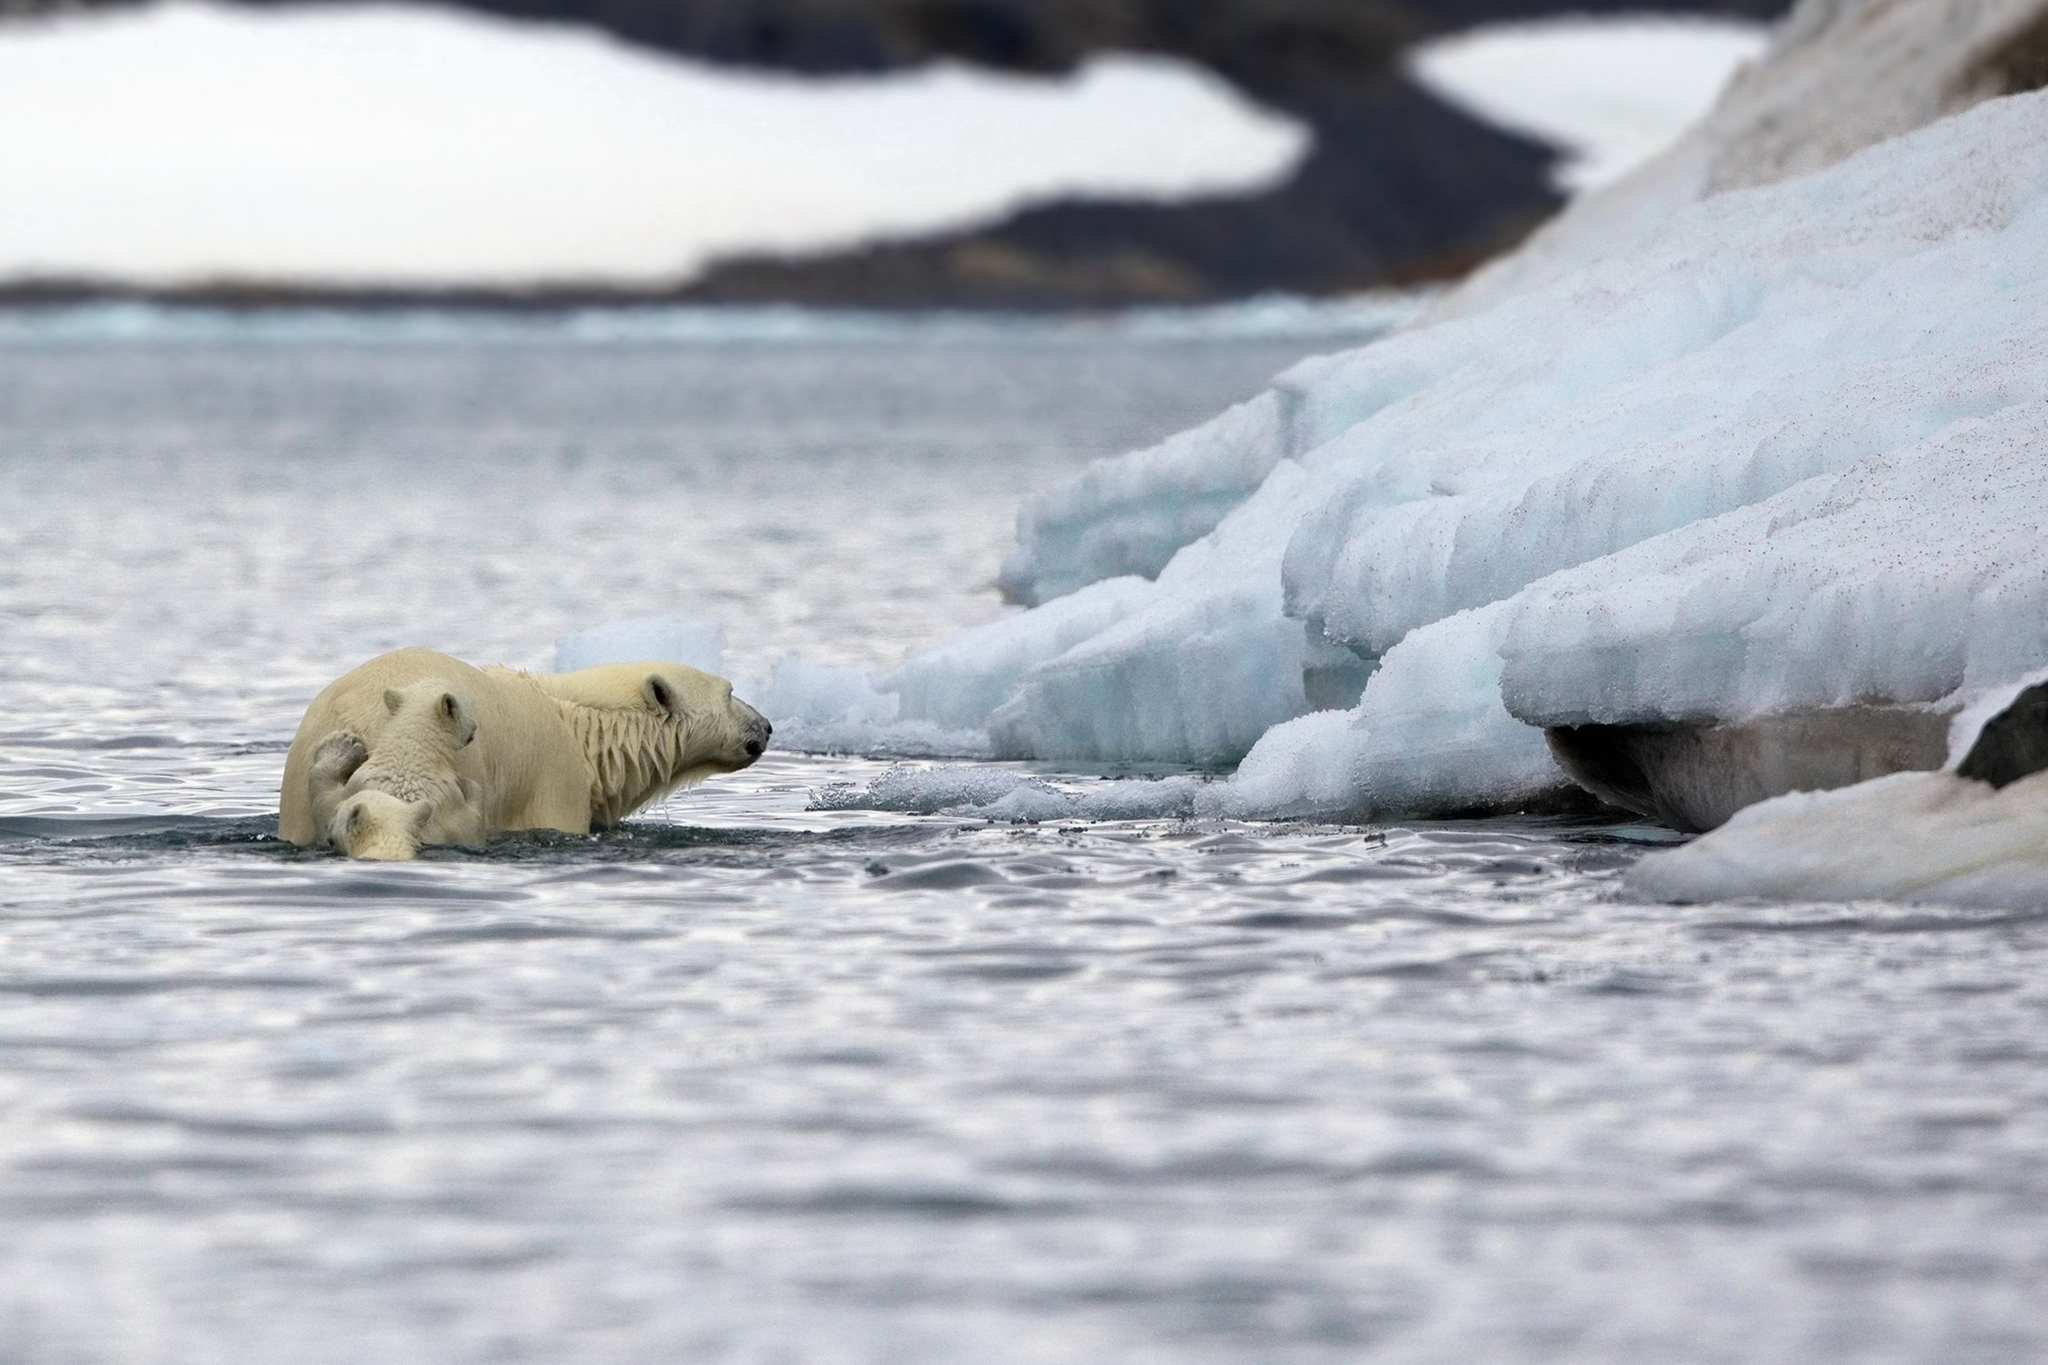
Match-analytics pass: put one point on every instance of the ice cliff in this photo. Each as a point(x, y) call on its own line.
point(1756, 427)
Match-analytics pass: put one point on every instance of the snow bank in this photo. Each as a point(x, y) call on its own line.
point(380, 144)
point(1768, 338)
point(1784, 451)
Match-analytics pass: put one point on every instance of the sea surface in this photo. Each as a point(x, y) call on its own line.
point(748, 1081)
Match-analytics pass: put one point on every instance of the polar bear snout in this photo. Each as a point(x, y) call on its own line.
point(754, 728)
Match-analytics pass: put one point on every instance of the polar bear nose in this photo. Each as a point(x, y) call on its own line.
point(757, 742)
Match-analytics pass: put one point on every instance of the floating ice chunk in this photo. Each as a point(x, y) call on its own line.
point(817, 708)
point(1770, 353)
point(1923, 837)
point(700, 644)
point(1005, 794)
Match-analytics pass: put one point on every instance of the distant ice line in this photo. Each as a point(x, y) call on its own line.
point(1347, 319)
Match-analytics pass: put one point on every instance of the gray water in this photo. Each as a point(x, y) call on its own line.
point(750, 1082)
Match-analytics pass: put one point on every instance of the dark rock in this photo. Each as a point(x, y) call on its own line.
point(2013, 744)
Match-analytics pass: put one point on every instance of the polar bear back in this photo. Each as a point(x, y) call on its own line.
point(525, 757)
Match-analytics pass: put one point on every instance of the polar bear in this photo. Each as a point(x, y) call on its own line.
point(567, 751)
point(419, 798)
point(376, 825)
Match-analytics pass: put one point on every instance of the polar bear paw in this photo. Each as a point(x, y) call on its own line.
point(338, 757)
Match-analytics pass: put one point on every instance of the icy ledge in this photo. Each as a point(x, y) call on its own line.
point(1785, 457)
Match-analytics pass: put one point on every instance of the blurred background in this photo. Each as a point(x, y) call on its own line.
point(1032, 154)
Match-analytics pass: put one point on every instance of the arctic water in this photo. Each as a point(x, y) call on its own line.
point(753, 1081)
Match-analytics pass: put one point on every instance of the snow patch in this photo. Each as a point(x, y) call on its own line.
point(1612, 92)
point(373, 144)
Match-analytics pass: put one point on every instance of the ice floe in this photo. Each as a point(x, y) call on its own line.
point(1781, 452)
point(1828, 328)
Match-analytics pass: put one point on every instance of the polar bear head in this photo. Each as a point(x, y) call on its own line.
point(431, 713)
point(372, 823)
point(376, 825)
point(650, 728)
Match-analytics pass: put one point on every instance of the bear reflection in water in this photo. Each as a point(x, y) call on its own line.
point(416, 748)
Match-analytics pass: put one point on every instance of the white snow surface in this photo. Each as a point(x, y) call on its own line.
point(1839, 76)
point(368, 144)
point(1908, 577)
point(1611, 92)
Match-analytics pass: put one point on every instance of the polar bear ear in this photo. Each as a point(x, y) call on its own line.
point(659, 694)
point(393, 699)
point(455, 712)
point(418, 814)
point(472, 791)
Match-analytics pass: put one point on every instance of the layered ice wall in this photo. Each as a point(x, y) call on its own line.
point(1774, 444)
